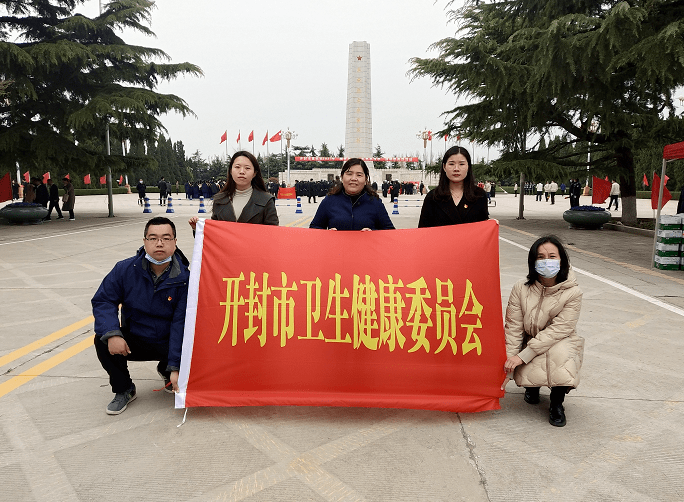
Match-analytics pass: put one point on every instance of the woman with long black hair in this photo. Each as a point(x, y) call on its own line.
point(457, 199)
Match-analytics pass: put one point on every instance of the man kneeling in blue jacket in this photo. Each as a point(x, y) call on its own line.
point(152, 289)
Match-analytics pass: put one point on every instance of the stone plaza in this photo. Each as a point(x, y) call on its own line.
point(622, 441)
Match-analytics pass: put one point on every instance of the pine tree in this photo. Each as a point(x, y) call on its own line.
point(601, 72)
point(72, 76)
point(379, 154)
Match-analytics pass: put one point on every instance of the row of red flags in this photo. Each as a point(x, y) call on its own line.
point(601, 190)
point(86, 178)
point(276, 137)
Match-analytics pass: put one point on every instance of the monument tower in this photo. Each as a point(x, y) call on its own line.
point(359, 130)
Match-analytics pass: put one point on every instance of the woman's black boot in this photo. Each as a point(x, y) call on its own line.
point(531, 395)
point(556, 410)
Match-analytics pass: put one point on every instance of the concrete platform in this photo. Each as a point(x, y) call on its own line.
point(622, 442)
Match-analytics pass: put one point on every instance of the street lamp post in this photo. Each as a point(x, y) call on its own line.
point(289, 135)
point(424, 135)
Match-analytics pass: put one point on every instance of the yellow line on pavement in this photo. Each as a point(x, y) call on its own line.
point(8, 358)
point(298, 222)
point(40, 368)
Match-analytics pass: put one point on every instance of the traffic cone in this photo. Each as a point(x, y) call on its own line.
point(147, 206)
point(201, 208)
point(169, 206)
point(396, 206)
point(299, 206)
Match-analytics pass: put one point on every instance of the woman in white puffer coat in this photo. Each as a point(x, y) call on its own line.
point(542, 345)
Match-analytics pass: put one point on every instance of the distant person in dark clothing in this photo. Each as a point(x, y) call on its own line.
point(54, 201)
point(140, 187)
point(575, 192)
point(311, 190)
point(162, 191)
point(42, 194)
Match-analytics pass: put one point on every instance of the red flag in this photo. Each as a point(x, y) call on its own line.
point(121, 180)
point(600, 191)
point(654, 193)
point(606, 178)
point(5, 188)
point(265, 139)
point(429, 135)
point(103, 180)
point(238, 138)
point(67, 176)
point(445, 137)
point(645, 181)
point(46, 177)
point(458, 137)
point(224, 137)
point(27, 177)
point(86, 179)
point(251, 137)
point(276, 137)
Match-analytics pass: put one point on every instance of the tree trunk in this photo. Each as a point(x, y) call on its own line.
point(625, 164)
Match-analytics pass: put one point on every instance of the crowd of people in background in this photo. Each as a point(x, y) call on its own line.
point(46, 194)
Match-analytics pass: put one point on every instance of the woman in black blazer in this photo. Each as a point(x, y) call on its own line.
point(456, 199)
point(244, 197)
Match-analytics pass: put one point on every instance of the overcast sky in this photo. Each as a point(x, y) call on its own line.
point(270, 65)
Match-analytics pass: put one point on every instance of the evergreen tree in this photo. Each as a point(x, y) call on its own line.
point(379, 153)
point(325, 152)
point(72, 76)
point(602, 72)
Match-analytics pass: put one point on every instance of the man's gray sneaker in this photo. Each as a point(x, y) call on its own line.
point(120, 401)
point(168, 387)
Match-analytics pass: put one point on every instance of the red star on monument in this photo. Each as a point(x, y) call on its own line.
point(358, 57)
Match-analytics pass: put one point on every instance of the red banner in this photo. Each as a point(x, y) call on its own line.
point(600, 190)
point(291, 316)
point(369, 159)
point(655, 191)
point(5, 188)
point(287, 193)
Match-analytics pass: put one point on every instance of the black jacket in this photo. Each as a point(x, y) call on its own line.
point(438, 212)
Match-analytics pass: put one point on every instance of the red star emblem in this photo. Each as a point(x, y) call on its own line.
point(358, 57)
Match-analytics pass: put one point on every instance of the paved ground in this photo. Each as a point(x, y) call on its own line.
point(622, 442)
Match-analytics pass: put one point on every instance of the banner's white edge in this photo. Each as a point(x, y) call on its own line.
point(190, 315)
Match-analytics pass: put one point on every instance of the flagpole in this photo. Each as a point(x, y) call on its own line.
point(268, 162)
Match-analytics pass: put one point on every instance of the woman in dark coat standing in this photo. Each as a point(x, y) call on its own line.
point(456, 199)
point(353, 204)
point(244, 197)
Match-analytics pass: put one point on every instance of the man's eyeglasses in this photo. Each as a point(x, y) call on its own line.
point(164, 240)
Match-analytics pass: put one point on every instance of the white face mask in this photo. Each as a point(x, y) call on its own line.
point(157, 262)
point(547, 268)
